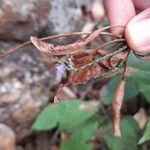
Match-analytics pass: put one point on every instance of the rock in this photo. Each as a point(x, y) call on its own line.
point(68, 16)
point(20, 19)
point(7, 138)
point(23, 18)
point(24, 90)
point(141, 118)
point(65, 16)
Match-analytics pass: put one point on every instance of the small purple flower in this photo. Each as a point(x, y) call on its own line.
point(60, 71)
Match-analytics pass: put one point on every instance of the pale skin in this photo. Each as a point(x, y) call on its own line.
point(135, 16)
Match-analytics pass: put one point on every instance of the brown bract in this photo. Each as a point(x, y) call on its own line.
point(91, 71)
point(87, 73)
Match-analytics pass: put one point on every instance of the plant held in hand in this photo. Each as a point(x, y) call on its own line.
point(80, 62)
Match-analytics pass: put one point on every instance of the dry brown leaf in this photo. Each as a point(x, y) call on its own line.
point(116, 105)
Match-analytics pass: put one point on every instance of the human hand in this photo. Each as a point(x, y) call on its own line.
point(135, 16)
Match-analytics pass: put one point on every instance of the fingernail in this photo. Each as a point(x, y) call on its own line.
point(138, 35)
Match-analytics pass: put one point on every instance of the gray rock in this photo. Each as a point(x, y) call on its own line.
point(20, 19)
point(25, 84)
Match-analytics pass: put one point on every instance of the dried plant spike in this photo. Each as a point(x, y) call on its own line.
point(70, 48)
point(12, 50)
point(54, 50)
point(116, 105)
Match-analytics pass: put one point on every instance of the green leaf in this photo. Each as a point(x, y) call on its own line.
point(47, 119)
point(67, 114)
point(109, 90)
point(129, 139)
point(141, 78)
point(142, 81)
point(142, 65)
point(72, 114)
point(130, 89)
point(80, 136)
point(146, 135)
point(136, 82)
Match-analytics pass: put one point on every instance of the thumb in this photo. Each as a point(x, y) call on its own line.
point(137, 32)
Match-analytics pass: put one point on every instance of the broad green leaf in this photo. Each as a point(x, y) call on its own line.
point(80, 137)
point(66, 114)
point(136, 82)
point(142, 81)
point(146, 135)
point(138, 63)
point(47, 119)
point(129, 139)
point(109, 90)
point(72, 114)
point(141, 78)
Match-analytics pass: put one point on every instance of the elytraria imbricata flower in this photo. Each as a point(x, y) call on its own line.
point(60, 71)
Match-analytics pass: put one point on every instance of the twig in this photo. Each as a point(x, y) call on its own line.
point(113, 41)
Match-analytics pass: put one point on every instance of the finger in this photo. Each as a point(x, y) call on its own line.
point(119, 12)
point(141, 4)
point(137, 32)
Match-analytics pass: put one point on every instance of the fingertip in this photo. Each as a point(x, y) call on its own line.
point(119, 12)
point(137, 32)
point(141, 4)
